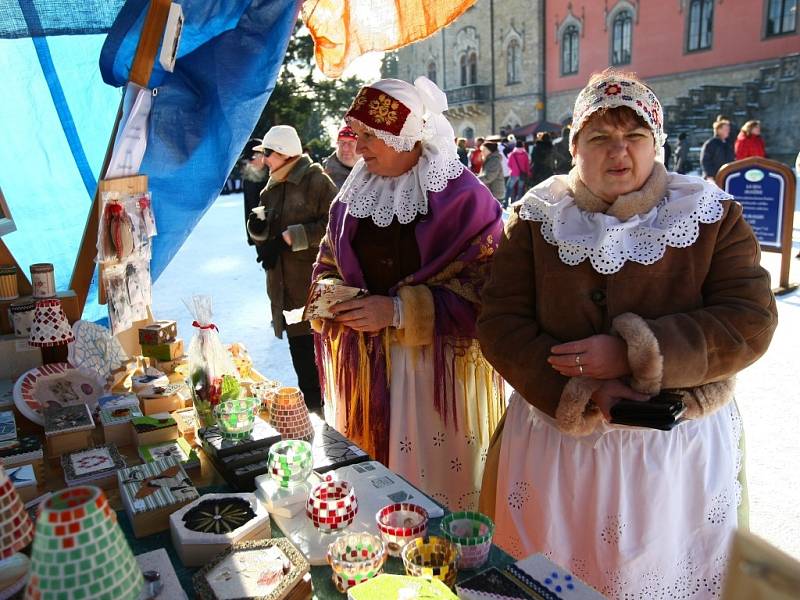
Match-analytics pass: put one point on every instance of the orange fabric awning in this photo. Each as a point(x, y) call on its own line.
point(343, 30)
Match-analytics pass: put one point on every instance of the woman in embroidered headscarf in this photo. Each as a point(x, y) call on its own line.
point(619, 281)
point(402, 372)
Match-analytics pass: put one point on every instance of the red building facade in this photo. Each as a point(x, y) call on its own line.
point(675, 45)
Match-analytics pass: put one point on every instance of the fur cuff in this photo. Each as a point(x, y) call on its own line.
point(644, 354)
point(574, 415)
point(259, 232)
point(707, 399)
point(299, 237)
point(417, 316)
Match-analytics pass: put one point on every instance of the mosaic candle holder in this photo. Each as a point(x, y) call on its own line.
point(332, 505)
point(50, 326)
point(290, 462)
point(289, 415)
point(431, 557)
point(472, 532)
point(355, 558)
point(400, 523)
point(265, 391)
point(16, 528)
point(79, 550)
point(236, 418)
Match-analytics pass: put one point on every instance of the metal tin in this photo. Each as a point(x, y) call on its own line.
point(43, 280)
point(8, 282)
point(21, 317)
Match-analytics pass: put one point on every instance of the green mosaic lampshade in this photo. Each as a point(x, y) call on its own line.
point(79, 551)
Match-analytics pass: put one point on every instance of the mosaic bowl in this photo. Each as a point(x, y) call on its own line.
point(400, 523)
point(354, 558)
point(431, 557)
point(332, 505)
point(236, 418)
point(472, 532)
point(290, 462)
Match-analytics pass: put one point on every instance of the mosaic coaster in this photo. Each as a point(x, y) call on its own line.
point(264, 570)
point(472, 532)
point(79, 550)
point(178, 449)
point(84, 466)
point(355, 558)
point(332, 505)
point(65, 419)
point(16, 528)
point(432, 557)
point(400, 523)
point(150, 492)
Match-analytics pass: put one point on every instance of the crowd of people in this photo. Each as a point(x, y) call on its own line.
point(614, 280)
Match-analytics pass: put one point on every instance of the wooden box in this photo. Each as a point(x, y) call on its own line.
point(116, 424)
point(187, 423)
point(93, 466)
point(158, 332)
point(165, 399)
point(152, 491)
point(164, 351)
point(24, 479)
point(67, 428)
point(153, 429)
point(178, 449)
point(198, 537)
point(27, 450)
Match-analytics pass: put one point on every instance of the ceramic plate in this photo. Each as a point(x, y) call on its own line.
point(58, 384)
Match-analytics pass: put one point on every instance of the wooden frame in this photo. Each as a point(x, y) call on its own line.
point(787, 215)
point(6, 222)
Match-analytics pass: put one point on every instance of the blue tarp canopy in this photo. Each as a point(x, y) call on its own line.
point(62, 65)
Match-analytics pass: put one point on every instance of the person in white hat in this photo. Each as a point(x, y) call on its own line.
point(287, 227)
point(403, 374)
point(614, 284)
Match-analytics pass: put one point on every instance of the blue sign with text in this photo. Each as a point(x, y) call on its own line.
point(761, 192)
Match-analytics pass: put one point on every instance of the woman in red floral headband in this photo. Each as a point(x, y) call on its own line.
point(614, 284)
point(402, 372)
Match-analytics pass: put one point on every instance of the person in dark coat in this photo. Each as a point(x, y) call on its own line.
point(667, 155)
point(254, 177)
point(339, 164)
point(717, 151)
point(543, 159)
point(561, 154)
point(294, 215)
point(682, 163)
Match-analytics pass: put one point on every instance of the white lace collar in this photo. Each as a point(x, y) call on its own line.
point(405, 196)
point(609, 243)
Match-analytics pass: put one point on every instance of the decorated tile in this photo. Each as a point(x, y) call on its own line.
point(117, 416)
point(265, 569)
point(178, 449)
point(332, 450)
point(27, 448)
point(263, 435)
point(64, 419)
point(93, 463)
point(56, 384)
point(8, 427)
point(23, 476)
point(113, 401)
point(154, 485)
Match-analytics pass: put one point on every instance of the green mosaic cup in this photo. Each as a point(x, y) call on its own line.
point(355, 558)
point(79, 551)
point(290, 462)
point(236, 418)
point(472, 532)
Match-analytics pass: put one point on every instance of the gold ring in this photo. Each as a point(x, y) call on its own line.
point(580, 369)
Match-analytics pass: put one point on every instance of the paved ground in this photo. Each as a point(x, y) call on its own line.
point(216, 260)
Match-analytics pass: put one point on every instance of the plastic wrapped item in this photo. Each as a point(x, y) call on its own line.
point(126, 227)
point(212, 373)
point(120, 314)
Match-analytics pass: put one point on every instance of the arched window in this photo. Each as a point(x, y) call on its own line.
point(621, 38)
point(432, 71)
point(463, 70)
point(569, 50)
point(473, 68)
point(701, 18)
point(513, 62)
point(781, 17)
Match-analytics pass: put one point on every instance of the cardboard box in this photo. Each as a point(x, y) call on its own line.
point(166, 351)
point(187, 423)
point(154, 429)
point(158, 332)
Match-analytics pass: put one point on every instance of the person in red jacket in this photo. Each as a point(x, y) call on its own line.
point(476, 157)
point(749, 141)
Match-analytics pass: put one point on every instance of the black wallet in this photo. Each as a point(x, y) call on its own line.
point(663, 412)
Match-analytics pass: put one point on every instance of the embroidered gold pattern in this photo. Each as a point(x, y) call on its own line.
point(384, 109)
